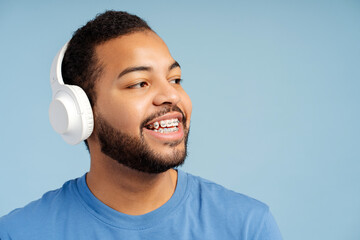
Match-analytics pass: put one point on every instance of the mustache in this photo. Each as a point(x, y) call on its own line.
point(166, 109)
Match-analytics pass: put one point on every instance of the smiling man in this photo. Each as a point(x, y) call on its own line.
point(138, 125)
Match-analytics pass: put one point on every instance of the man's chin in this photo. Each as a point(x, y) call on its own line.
point(145, 154)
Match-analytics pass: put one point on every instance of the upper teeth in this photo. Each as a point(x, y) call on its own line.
point(162, 123)
point(165, 123)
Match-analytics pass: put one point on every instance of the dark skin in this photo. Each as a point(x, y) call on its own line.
point(125, 98)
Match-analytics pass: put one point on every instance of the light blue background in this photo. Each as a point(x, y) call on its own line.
point(275, 88)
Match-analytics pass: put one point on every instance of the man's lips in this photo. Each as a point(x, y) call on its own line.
point(172, 133)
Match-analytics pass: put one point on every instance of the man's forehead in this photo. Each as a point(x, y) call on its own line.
point(131, 43)
point(136, 49)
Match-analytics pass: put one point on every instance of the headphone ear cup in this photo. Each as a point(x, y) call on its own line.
point(71, 115)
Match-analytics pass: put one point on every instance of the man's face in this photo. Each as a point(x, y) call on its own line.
point(142, 114)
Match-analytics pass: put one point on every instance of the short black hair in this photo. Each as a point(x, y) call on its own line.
point(80, 66)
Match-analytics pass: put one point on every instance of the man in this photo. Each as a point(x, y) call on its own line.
point(141, 124)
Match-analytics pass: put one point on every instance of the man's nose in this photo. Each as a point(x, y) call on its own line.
point(166, 93)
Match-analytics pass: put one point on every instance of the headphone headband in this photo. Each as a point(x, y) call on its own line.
point(55, 71)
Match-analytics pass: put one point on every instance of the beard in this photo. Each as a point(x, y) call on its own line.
point(134, 152)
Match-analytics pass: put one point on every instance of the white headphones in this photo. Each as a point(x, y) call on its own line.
point(70, 111)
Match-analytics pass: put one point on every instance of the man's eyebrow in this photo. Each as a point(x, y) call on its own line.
point(144, 68)
point(174, 65)
point(134, 69)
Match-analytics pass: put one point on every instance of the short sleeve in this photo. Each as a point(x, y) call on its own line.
point(269, 229)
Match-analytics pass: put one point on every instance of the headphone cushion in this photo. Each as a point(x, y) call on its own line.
point(71, 114)
point(85, 109)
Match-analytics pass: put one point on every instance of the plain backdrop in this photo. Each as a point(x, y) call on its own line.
point(275, 88)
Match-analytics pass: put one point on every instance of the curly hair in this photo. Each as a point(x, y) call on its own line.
point(80, 66)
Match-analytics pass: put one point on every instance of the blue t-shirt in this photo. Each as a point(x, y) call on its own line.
point(198, 209)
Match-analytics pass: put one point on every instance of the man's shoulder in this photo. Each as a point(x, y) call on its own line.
point(227, 203)
point(37, 212)
point(224, 206)
point(217, 192)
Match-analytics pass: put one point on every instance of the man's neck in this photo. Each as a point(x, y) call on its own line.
point(126, 190)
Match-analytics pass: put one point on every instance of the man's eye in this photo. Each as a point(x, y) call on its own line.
point(138, 85)
point(176, 81)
